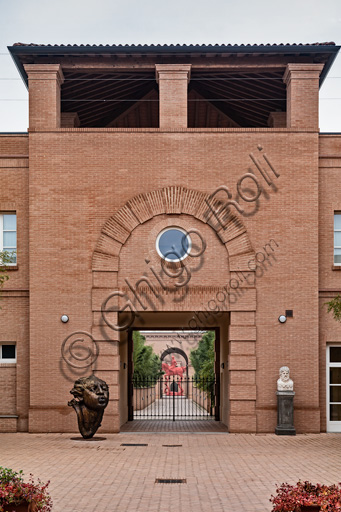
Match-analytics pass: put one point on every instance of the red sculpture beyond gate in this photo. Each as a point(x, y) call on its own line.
point(173, 370)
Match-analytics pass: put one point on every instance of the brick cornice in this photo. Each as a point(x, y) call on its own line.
point(302, 71)
point(44, 72)
point(176, 130)
point(173, 72)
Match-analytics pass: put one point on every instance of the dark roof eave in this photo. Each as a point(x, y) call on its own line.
point(22, 49)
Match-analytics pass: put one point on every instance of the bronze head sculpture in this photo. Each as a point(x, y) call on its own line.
point(91, 396)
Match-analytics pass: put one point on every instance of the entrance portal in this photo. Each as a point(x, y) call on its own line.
point(168, 388)
point(135, 286)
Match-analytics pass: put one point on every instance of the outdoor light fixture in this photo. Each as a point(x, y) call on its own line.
point(64, 319)
point(282, 319)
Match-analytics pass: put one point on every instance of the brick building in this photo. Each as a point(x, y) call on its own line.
point(130, 146)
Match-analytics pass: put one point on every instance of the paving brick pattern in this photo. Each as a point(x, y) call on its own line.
point(224, 472)
point(183, 425)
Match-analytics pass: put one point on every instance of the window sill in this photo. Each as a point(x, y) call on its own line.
point(8, 268)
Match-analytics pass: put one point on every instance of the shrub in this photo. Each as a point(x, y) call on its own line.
point(290, 497)
point(147, 364)
point(14, 491)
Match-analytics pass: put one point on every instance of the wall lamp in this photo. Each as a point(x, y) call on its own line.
point(289, 313)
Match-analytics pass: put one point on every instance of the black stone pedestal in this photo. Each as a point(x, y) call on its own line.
point(285, 413)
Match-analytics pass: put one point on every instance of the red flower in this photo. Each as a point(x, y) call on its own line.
point(290, 497)
point(13, 490)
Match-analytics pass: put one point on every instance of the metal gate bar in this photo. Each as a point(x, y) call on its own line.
point(173, 398)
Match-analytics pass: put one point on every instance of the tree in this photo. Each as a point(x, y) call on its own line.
point(6, 257)
point(334, 305)
point(147, 364)
point(202, 359)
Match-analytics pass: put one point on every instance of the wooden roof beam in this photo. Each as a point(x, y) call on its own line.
point(266, 63)
point(227, 95)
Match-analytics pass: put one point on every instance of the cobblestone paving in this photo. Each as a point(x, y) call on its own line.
point(224, 472)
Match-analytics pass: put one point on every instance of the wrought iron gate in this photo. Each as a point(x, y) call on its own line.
point(173, 398)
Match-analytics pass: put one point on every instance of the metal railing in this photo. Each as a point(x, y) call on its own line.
point(173, 398)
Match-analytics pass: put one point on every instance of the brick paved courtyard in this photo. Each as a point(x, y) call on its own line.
point(167, 426)
point(224, 472)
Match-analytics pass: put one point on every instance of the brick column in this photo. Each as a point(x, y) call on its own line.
point(302, 81)
point(69, 120)
point(107, 365)
point(44, 81)
point(277, 120)
point(173, 82)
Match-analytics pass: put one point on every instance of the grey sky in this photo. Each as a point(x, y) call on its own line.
point(175, 21)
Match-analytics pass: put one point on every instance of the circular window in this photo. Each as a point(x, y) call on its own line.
point(173, 244)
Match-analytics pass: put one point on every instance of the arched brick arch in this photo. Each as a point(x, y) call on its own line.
point(242, 331)
point(175, 350)
point(169, 200)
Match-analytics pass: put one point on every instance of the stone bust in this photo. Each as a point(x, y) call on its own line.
point(91, 396)
point(284, 382)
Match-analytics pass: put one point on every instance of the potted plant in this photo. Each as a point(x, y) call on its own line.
point(307, 497)
point(19, 496)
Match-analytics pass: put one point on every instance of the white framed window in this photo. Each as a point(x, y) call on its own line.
point(8, 235)
point(8, 353)
point(337, 238)
point(334, 388)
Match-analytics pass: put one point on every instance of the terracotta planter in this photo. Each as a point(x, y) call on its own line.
point(23, 507)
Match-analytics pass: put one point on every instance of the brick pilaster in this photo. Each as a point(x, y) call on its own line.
point(173, 82)
point(277, 120)
point(242, 367)
point(44, 82)
point(302, 81)
point(69, 120)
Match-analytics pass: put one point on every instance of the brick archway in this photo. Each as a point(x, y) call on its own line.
point(175, 350)
point(168, 200)
point(242, 331)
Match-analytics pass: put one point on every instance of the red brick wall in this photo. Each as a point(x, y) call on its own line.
point(79, 178)
point(8, 403)
point(330, 279)
point(14, 319)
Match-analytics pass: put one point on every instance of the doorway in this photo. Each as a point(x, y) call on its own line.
point(171, 383)
point(334, 388)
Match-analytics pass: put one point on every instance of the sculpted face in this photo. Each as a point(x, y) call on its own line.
point(285, 375)
point(96, 395)
point(91, 396)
